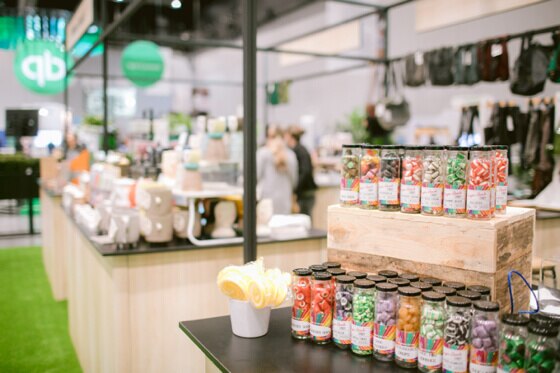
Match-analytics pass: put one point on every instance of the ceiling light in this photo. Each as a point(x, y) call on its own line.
point(176, 4)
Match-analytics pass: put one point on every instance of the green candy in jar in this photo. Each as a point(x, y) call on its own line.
point(350, 175)
point(541, 350)
point(513, 334)
point(432, 325)
point(362, 317)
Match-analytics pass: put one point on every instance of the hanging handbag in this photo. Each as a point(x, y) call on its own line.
point(466, 65)
point(530, 70)
point(440, 65)
point(415, 69)
point(393, 111)
point(554, 65)
point(493, 60)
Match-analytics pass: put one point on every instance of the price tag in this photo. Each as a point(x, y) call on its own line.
point(467, 58)
point(496, 50)
point(419, 58)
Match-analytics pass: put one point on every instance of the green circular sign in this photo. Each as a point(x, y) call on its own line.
point(39, 66)
point(142, 63)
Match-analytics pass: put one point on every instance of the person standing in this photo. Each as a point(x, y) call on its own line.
point(305, 189)
point(277, 172)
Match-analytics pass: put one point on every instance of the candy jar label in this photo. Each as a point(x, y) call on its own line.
point(349, 189)
point(319, 332)
point(454, 198)
point(501, 196)
point(432, 195)
point(406, 346)
point(384, 339)
point(430, 352)
point(410, 194)
point(455, 358)
point(483, 361)
point(361, 335)
point(368, 193)
point(478, 200)
point(342, 331)
point(300, 326)
point(389, 191)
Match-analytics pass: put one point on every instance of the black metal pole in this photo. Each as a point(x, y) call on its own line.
point(105, 80)
point(248, 8)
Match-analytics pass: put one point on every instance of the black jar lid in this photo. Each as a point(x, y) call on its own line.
point(302, 272)
point(357, 274)
point(435, 147)
point(332, 265)
point(391, 147)
point(364, 284)
point(543, 329)
point(318, 268)
point(483, 290)
point(542, 318)
point(322, 276)
point(388, 274)
point(469, 294)
point(433, 296)
point(409, 291)
point(424, 286)
point(458, 301)
point(445, 290)
point(455, 285)
point(343, 279)
point(336, 271)
point(351, 146)
point(409, 276)
point(376, 278)
point(414, 147)
point(516, 319)
point(501, 147)
point(479, 148)
point(369, 146)
point(400, 282)
point(385, 286)
point(487, 306)
point(457, 148)
point(431, 280)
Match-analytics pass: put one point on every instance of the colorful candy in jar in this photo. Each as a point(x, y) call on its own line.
point(362, 317)
point(484, 337)
point(301, 309)
point(455, 190)
point(350, 175)
point(479, 184)
point(343, 300)
point(513, 336)
point(322, 299)
point(369, 174)
point(384, 327)
point(541, 350)
point(432, 181)
point(411, 179)
point(432, 324)
point(389, 178)
point(408, 327)
point(456, 335)
point(501, 165)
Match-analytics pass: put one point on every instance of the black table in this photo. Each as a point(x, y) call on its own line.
point(275, 352)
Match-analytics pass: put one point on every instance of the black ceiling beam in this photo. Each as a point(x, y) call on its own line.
point(398, 4)
point(128, 12)
point(359, 3)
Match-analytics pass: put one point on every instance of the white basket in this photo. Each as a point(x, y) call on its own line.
point(246, 320)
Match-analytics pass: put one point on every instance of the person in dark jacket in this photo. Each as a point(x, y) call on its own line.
point(305, 189)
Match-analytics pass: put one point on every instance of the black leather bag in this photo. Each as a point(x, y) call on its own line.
point(393, 111)
point(415, 70)
point(440, 64)
point(466, 65)
point(493, 60)
point(530, 70)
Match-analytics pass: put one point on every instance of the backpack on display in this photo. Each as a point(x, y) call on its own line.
point(393, 111)
point(530, 70)
point(554, 65)
point(466, 65)
point(493, 60)
point(440, 66)
point(415, 70)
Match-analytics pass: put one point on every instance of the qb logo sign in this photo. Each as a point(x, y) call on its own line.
point(39, 66)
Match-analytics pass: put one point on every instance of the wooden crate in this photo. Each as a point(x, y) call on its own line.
point(473, 252)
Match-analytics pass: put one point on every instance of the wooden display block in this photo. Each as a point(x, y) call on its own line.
point(473, 252)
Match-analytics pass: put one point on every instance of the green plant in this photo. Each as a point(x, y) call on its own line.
point(93, 120)
point(178, 121)
point(356, 124)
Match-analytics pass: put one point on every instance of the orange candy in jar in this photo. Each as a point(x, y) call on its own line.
point(369, 174)
point(501, 164)
point(479, 183)
point(408, 327)
point(411, 181)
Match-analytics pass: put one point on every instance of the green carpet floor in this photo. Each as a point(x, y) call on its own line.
point(33, 326)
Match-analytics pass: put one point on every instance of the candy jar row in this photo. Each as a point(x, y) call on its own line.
point(433, 180)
